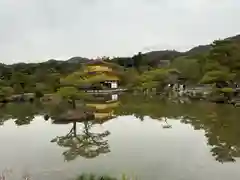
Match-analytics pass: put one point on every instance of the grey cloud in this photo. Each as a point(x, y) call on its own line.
point(36, 30)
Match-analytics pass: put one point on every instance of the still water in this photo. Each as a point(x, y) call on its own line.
point(145, 137)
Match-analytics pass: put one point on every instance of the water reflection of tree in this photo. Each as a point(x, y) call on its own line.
point(219, 122)
point(166, 125)
point(221, 126)
point(153, 107)
point(21, 113)
point(96, 177)
point(87, 144)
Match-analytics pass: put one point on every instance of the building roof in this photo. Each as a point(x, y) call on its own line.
point(103, 63)
point(98, 62)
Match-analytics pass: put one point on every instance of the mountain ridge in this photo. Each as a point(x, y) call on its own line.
point(151, 55)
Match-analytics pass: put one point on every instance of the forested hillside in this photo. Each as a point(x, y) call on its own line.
point(217, 62)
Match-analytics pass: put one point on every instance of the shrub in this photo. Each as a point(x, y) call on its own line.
point(227, 90)
point(38, 94)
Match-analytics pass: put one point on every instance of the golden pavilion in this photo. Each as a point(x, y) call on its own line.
point(103, 72)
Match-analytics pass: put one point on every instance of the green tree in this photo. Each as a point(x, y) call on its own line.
point(157, 78)
point(43, 87)
point(3, 82)
point(70, 93)
point(22, 82)
point(129, 78)
point(75, 79)
point(5, 92)
point(138, 60)
point(53, 81)
point(223, 62)
point(70, 87)
point(217, 76)
point(189, 68)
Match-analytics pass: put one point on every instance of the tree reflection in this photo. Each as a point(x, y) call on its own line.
point(87, 144)
point(219, 122)
point(21, 113)
point(166, 125)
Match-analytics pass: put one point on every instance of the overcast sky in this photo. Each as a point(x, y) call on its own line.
point(38, 30)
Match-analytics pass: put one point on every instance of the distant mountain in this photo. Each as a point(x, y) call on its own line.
point(153, 56)
point(172, 54)
point(52, 65)
point(77, 60)
point(202, 49)
point(162, 55)
point(73, 60)
point(206, 48)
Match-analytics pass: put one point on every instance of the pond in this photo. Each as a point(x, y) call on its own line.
point(141, 136)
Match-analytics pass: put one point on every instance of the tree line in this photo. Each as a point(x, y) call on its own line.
point(217, 64)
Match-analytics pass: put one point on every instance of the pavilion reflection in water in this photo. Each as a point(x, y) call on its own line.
point(89, 144)
point(104, 107)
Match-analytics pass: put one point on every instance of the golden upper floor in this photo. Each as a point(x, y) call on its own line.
point(98, 68)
